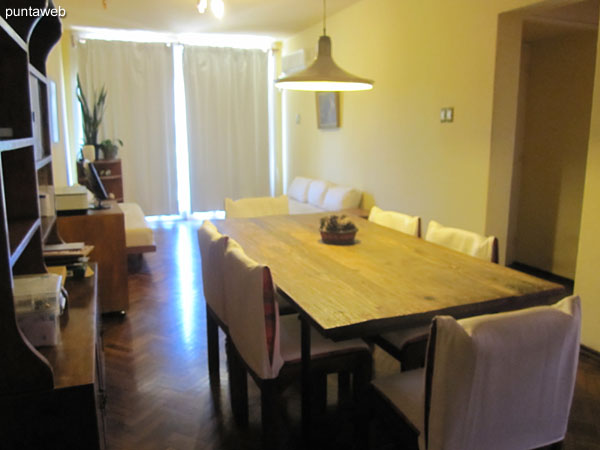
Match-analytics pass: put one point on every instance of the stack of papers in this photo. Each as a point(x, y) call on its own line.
point(65, 254)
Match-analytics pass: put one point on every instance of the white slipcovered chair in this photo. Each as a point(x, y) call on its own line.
point(212, 250)
point(496, 382)
point(398, 221)
point(268, 346)
point(468, 242)
point(408, 346)
point(256, 207)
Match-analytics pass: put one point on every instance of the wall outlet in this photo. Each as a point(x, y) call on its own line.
point(447, 114)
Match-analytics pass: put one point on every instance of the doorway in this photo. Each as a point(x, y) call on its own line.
point(554, 58)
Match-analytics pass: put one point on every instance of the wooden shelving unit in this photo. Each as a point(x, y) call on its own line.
point(33, 394)
point(111, 174)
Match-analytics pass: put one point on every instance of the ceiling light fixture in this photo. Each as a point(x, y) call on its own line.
point(324, 74)
point(216, 6)
point(202, 5)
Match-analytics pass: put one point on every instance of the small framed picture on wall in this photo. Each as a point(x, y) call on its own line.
point(328, 109)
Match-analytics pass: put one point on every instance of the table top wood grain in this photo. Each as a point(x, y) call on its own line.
point(386, 280)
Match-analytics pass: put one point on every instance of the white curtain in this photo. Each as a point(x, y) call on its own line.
point(140, 111)
point(227, 118)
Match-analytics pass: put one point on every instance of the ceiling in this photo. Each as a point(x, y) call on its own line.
point(572, 18)
point(275, 18)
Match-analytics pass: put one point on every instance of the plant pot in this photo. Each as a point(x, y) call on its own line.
point(339, 238)
point(110, 151)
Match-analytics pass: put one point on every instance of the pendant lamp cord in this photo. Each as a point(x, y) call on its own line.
point(324, 18)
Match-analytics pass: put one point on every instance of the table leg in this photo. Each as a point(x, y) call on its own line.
point(306, 381)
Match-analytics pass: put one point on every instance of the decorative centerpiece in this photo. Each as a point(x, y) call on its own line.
point(337, 230)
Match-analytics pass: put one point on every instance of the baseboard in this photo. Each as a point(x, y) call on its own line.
point(591, 353)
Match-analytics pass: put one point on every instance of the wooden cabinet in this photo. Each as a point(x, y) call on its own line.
point(40, 389)
point(112, 176)
point(105, 230)
point(71, 415)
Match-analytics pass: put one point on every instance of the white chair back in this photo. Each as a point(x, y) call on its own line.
point(398, 221)
point(254, 326)
point(502, 381)
point(463, 241)
point(212, 250)
point(256, 207)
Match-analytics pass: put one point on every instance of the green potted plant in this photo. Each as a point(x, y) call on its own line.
point(337, 230)
point(92, 115)
point(110, 148)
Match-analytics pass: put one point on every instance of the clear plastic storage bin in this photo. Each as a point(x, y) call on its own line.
point(37, 307)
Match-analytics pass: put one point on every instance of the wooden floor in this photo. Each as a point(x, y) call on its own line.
point(159, 396)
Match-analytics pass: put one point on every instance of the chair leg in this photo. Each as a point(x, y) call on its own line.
point(413, 355)
point(238, 385)
point(320, 392)
point(271, 433)
point(362, 375)
point(212, 343)
point(363, 422)
point(361, 389)
point(343, 387)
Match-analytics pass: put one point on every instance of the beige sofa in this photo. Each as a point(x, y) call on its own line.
point(139, 237)
point(306, 196)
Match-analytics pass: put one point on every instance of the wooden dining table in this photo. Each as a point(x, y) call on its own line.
point(386, 280)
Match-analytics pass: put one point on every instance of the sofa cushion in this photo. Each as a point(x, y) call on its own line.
point(341, 197)
point(297, 207)
point(317, 191)
point(137, 231)
point(298, 190)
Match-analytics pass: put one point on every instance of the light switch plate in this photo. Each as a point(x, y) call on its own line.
point(447, 114)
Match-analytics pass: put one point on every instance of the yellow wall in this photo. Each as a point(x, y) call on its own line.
point(59, 149)
point(423, 55)
point(587, 277)
point(61, 67)
point(557, 120)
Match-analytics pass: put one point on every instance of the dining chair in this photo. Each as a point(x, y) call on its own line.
point(468, 242)
point(398, 221)
point(498, 381)
point(408, 346)
point(267, 345)
point(256, 207)
point(212, 250)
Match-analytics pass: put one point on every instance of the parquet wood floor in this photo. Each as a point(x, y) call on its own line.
point(159, 395)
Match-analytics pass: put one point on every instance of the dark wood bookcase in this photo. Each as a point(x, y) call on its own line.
point(111, 175)
point(43, 392)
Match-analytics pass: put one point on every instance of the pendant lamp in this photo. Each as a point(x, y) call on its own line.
point(324, 74)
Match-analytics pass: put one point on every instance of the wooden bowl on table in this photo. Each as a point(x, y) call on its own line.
point(338, 238)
